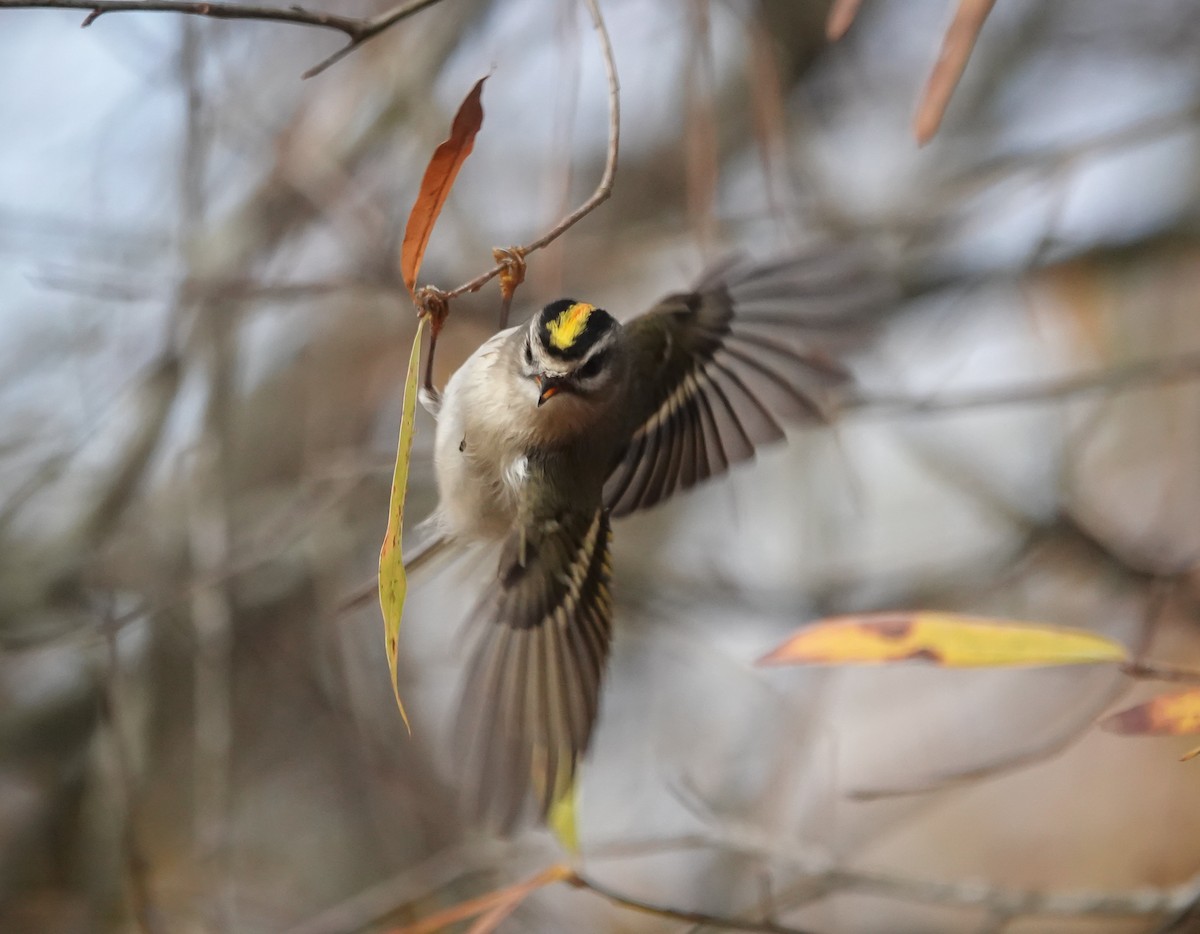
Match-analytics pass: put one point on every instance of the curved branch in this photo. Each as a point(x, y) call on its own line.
point(603, 189)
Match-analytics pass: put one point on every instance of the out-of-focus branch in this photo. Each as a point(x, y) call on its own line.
point(145, 907)
point(370, 28)
point(1149, 372)
point(1050, 159)
point(721, 922)
point(1153, 671)
point(1016, 903)
point(819, 879)
point(493, 907)
point(294, 15)
point(357, 29)
point(209, 522)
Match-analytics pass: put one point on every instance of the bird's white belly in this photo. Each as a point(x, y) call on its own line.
point(480, 458)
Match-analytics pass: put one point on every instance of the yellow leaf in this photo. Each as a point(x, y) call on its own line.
point(942, 638)
point(1176, 714)
point(561, 818)
point(392, 581)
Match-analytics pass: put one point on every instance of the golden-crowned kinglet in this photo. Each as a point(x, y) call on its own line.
point(553, 428)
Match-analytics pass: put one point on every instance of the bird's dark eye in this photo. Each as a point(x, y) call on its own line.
point(528, 354)
point(593, 366)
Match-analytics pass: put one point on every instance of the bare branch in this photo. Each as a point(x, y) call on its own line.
point(1152, 671)
point(369, 29)
point(675, 914)
point(357, 29)
point(1149, 372)
point(294, 15)
point(1013, 903)
point(146, 911)
point(819, 880)
point(841, 16)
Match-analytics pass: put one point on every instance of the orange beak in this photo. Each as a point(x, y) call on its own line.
point(550, 386)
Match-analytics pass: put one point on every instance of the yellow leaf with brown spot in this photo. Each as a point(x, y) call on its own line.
point(947, 639)
point(1175, 714)
point(393, 584)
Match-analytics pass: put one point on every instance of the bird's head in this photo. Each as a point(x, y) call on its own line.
point(569, 349)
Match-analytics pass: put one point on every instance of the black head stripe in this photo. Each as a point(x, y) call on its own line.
point(568, 329)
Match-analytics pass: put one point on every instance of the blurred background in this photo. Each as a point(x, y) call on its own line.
point(202, 344)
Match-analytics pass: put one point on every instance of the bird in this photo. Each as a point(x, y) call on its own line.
point(554, 428)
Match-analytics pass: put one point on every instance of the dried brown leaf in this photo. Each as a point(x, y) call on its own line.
point(841, 16)
point(956, 50)
point(438, 180)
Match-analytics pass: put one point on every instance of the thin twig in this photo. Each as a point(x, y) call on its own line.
point(370, 29)
point(820, 881)
point(1152, 671)
point(1147, 372)
point(1021, 902)
point(1049, 159)
point(293, 15)
point(676, 914)
point(700, 126)
point(209, 525)
point(357, 29)
point(603, 190)
point(146, 912)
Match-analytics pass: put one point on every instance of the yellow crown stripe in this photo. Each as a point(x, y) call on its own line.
point(566, 328)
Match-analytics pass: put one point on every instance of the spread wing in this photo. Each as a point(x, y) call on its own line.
point(533, 681)
point(726, 365)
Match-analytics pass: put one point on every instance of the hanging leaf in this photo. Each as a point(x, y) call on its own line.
point(1176, 714)
point(393, 584)
point(947, 71)
point(942, 638)
point(438, 180)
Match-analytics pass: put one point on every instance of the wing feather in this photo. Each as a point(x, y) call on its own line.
point(721, 368)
